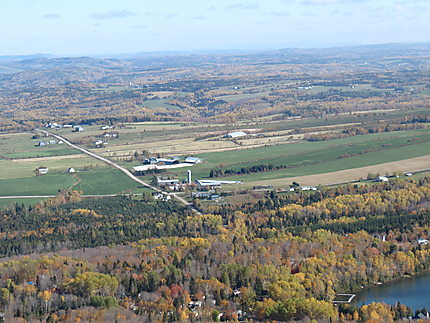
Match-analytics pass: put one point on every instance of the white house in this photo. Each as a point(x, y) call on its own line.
point(71, 170)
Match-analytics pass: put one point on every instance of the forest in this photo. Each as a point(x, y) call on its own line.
point(283, 257)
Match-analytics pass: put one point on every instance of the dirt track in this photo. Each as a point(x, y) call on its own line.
point(406, 165)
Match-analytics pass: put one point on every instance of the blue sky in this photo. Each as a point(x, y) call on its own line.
point(90, 27)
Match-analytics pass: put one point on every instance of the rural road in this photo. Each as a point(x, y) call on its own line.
point(122, 169)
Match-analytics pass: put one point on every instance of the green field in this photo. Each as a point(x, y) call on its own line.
point(306, 158)
point(104, 181)
point(19, 158)
point(36, 185)
point(4, 203)
point(21, 145)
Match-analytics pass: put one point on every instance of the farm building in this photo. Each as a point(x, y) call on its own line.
point(423, 242)
point(308, 188)
point(236, 134)
point(42, 170)
point(193, 160)
point(78, 129)
point(162, 181)
point(41, 144)
point(213, 183)
point(150, 161)
point(71, 170)
point(382, 179)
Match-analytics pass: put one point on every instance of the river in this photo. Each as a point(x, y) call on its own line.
point(413, 292)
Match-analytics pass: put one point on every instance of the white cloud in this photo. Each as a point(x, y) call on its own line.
point(113, 14)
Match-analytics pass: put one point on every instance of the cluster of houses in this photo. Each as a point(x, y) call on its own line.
point(302, 188)
point(166, 163)
point(44, 143)
point(53, 125)
point(100, 143)
point(161, 196)
point(110, 135)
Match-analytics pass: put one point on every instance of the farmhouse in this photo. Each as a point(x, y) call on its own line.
point(41, 144)
point(236, 134)
point(71, 170)
point(193, 160)
point(78, 129)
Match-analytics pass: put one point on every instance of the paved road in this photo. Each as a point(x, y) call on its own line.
point(122, 169)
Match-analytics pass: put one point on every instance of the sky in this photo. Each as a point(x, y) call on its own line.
point(107, 27)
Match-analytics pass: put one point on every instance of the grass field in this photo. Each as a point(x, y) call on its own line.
point(104, 181)
point(10, 202)
point(19, 158)
point(308, 158)
point(48, 184)
point(277, 144)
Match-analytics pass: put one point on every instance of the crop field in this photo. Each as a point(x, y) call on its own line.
point(278, 143)
point(19, 157)
point(104, 181)
point(306, 158)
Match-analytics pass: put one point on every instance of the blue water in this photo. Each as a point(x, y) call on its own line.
point(413, 292)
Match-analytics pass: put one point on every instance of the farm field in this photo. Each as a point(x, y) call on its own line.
point(307, 158)
point(348, 175)
point(276, 143)
point(27, 202)
point(19, 158)
point(104, 181)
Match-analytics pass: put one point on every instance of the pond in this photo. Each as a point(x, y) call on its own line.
point(413, 292)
